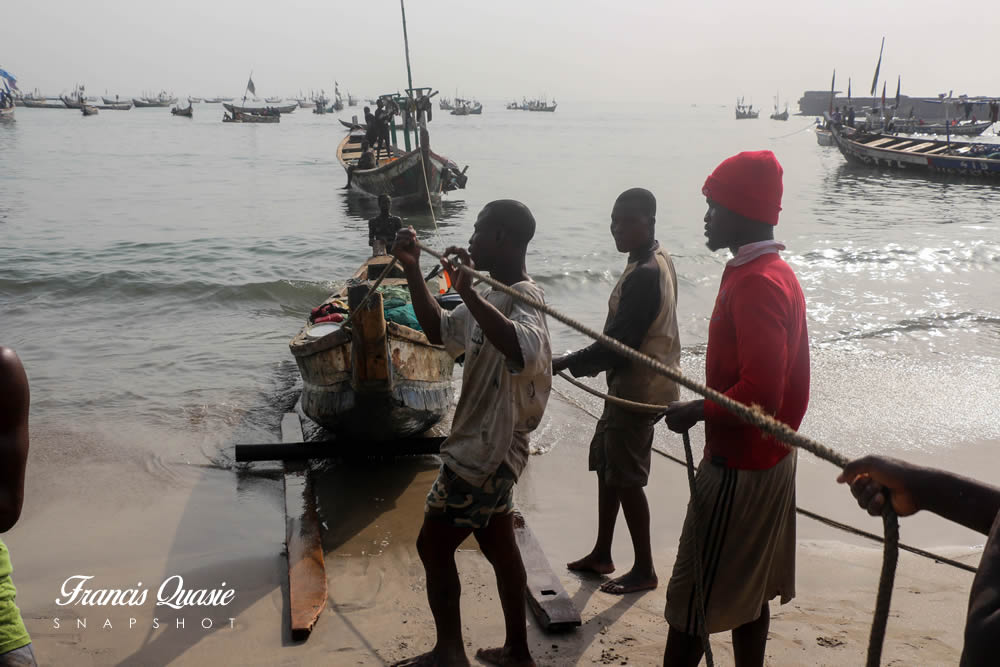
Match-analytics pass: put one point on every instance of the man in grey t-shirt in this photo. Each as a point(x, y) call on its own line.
point(505, 386)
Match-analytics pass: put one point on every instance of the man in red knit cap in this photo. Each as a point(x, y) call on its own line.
point(758, 354)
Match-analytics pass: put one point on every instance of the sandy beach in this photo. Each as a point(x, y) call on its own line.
point(129, 516)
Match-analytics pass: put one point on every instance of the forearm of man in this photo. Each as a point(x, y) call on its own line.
point(500, 331)
point(965, 501)
point(426, 309)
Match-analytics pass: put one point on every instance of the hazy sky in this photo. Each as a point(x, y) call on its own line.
point(707, 51)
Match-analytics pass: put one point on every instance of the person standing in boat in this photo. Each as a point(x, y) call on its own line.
point(15, 643)
point(382, 230)
point(366, 161)
point(370, 129)
point(758, 354)
point(642, 313)
point(506, 380)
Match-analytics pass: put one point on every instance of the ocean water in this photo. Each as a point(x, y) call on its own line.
point(153, 269)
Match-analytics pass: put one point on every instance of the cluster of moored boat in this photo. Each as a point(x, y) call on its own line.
point(532, 105)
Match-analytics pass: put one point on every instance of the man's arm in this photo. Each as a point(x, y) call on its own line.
point(637, 309)
point(13, 437)
point(499, 330)
point(913, 488)
point(427, 310)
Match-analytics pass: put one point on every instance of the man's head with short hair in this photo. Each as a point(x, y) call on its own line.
point(633, 220)
point(367, 109)
point(384, 202)
point(364, 145)
point(501, 235)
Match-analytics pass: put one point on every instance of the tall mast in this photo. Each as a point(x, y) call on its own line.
point(406, 45)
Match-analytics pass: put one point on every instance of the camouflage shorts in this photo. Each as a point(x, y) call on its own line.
point(463, 505)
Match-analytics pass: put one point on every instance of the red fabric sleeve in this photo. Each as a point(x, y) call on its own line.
point(759, 309)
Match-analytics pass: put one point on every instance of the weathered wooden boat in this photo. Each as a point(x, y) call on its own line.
point(962, 129)
point(116, 106)
point(919, 156)
point(353, 126)
point(320, 108)
point(824, 137)
point(7, 112)
point(411, 178)
point(45, 104)
point(273, 100)
point(115, 100)
point(72, 102)
point(187, 113)
point(88, 110)
point(372, 379)
point(194, 100)
point(141, 103)
point(780, 116)
point(306, 104)
point(212, 100)
point(233, 108)
point(238, 117)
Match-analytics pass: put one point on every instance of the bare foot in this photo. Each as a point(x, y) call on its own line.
point(631, 583)
point(505, 657)
point(592, 563)
point(432, 659)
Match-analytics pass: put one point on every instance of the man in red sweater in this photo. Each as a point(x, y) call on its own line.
point(758, 354)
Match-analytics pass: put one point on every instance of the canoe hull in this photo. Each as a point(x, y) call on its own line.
point(923, 157)
point(403, 178)
point(373, 380)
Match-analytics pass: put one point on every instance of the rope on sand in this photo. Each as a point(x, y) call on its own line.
point(833, 523)
point(752, 415)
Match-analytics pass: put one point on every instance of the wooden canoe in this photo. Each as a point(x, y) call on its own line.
point(235, 108)
point(122, 106)
point(187, 113)
point(250, 118)
point(372, 380)
point(402, 175)
point(918, 155)
point(88, 110)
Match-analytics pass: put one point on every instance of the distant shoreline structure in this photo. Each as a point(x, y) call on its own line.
point(817, 102)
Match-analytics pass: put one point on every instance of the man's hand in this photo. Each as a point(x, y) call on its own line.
point(682, 415)
point(460, 280)
point(871, 476)
point(405, 248)
point(560, 363)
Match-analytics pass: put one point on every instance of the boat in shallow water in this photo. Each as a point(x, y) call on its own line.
point(921, 156)
point(368, 378)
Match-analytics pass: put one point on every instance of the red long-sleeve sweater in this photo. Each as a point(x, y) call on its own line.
point(758, 354)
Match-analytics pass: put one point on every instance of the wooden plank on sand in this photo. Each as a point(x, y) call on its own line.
point(547, 598)
point(307, 590)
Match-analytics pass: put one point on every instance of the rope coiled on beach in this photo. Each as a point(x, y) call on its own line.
point(752, 415)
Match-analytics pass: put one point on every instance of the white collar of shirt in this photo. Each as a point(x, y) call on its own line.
point(751, 251)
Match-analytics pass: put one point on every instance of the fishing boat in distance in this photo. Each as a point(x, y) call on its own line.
point(782, 115)
point(239, 117)
point(75, 100)
point(116, 100)
point(413, 175)
point(917, 155)
point(466, 107)
point(88, 109)
point(444, 104)
point(235, 108)
point(194, 100)
point(273, 100)
point(186, 113)
point(119, 106)
point(164, 99)
point(367, 377)
point(745, 111)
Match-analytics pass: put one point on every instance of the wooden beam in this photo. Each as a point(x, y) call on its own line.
point(307, 591)
point(337, 449)
point(549, 601)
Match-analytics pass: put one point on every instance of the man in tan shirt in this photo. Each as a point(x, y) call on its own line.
point(641, 314)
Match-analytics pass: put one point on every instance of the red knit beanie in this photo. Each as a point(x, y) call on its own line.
point(748, 184)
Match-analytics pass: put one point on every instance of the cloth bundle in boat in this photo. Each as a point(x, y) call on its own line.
point(397, 307)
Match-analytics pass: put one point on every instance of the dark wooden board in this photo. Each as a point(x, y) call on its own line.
point(307, 590)
point(547, 598)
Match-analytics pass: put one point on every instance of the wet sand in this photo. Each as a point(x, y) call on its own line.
point(110, 503)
